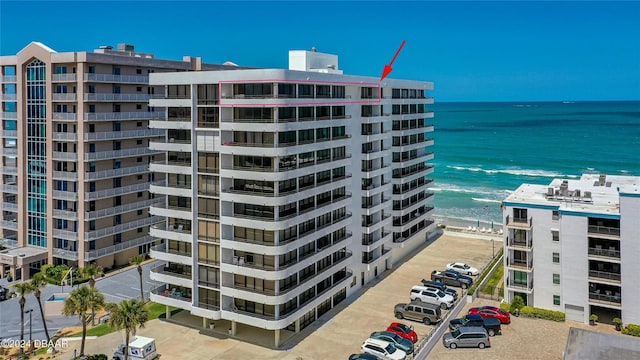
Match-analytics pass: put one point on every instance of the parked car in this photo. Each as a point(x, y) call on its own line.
point(440, 286)
point(490, 324)
point(473, 336)
point(404, 331)
point(453, 278)
point(492, 312)
point(462, 268)
point(383, 349)
point(397, 340)
point(364, 356)
point(431, 296)
point(418, 311)
point(4, 293)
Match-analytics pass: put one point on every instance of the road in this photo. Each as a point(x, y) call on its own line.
point(122, 285)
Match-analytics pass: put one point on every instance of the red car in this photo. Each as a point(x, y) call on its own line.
point(404, 331)
point(492, 312)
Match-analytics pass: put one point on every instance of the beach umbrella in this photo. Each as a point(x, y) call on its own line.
point(478, 222)
point(492, 225)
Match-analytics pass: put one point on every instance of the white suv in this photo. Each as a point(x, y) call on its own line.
point(432, 296)
point(383, 349)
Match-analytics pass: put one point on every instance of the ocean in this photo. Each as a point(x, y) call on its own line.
point(484, 151)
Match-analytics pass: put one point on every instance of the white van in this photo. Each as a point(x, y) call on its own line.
point(432, 296)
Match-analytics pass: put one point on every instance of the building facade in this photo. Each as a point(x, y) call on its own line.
point(572, 246)
point(286, 190)
point(75, 155)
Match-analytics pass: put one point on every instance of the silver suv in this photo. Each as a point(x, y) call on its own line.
point(472, 336)
point(419, 311)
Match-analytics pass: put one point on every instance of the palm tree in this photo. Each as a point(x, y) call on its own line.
point(128, 316)
point(92, 270)
point(37, 284)
point(22, 289)
point(79, 302)
point(137, 260)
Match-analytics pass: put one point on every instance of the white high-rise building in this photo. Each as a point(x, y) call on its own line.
point(287, 190)
point(572, 246)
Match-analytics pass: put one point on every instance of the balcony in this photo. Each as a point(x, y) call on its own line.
point(65, 234)
point(11, 115)
point(9, 133)
point(105, 174)
point(122, 208)
point(130, 79)
point(109, 250)
point(166, 211)
point(519, 223)
point(607, 298)
point(119, 97)
point(603, 230)
point(8, 78)
point(168, 295)
point(161, 187)
point(131, 115)
point(65, 254)
point(115, 154)
point(164, 273)
point(607, 253)
point(172, 167)
point(96, 234)
point(171, 145)
point(520, 286)
point(65, 116)
point(130, 134)
point(171, 232)
point(604, 275)
point(161, 252)
point(8, 97)
point(64, 77)
point(65, 195)
point(107, 193)
point(9, 224)
point(65, 156)
point(521, 264)
point(13, 189)
point(519, 244)
point(9, 170)
point(59, 97)
point(65, 136)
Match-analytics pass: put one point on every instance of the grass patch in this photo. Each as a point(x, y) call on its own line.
point(156, 311)
point(479, 280)
point(493, 281)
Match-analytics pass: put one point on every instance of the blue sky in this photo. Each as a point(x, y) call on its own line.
point(472, 51)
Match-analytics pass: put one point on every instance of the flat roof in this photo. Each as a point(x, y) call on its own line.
point(25, 251)
point(586, 345)
point(585, 194)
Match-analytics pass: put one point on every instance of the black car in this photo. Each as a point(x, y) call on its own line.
point(492, 325)
point(363, 357)
point(4, 293)
point(440, 286)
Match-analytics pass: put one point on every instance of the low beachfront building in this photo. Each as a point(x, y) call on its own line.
point(572, 246)
point(286, 190)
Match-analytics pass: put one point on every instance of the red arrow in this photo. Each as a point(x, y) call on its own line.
point(387, 68)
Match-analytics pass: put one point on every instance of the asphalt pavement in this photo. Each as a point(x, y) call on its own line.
point(117, 286)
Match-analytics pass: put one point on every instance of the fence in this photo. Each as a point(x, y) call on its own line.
point(491, 292)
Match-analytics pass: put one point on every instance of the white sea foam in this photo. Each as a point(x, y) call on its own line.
point(486, 200)
point(518, 172)
point(479, 191)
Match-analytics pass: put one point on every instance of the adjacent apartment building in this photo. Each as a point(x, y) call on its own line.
point(75, 155)
point(286, 190)
point(572, 246)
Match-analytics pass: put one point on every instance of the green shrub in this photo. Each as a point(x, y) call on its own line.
point(516, 304)
point(532, 312)
point(97, 357)
point(631, 329)
point(505, 306)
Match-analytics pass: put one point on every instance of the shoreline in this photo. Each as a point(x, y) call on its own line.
point(464, 224)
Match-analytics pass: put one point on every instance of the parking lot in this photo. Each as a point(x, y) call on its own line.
point(523, 339)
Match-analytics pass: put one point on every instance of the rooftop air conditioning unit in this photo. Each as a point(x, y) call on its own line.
point(587, 194)
point(576, 193)
point(550, 191)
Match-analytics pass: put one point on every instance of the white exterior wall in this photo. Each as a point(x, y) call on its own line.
point(543, 266)
point(573, 263)
point(630, 256)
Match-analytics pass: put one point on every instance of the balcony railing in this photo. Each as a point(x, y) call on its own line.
point(131, 115)
point(110, 135)
point(519, 222)
point(96, 234)
point(604, 275)
point(163, 290)
point(524, 264)
point(605, 230)
point(520, 244)
point(613, 253)
point(165, 270)
point(133, 79)
point(120, 97)
point(113, 154)
point(519, 285)
point(64, 97)
point(95, 254)
point(140, 169)
point(116, 191)
point(63, 77)
point(610, 298)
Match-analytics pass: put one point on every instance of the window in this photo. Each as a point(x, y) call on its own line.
point(92, 225)
point(92, 69)
point(139, 124)
point(556, 257)
point(117, 126)
point(92, 148)
point(556, 279)
point(139, 212)
point(117, 145)
point(117, 238)
point(555, 215)
point(117, 182)
point(138, 106)
point(555, 235)
point(92, 108)
point(556, 299)
point(138, 71)
point(116, 71)
point(139, 142)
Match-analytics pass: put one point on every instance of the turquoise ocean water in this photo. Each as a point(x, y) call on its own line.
point(483, 151)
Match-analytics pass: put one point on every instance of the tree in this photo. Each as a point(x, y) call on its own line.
point(128, 316)
point(37, 284)
point(91, 271)
point(79, 302)
point(22, 289)
point(137, 260)
point(517, 304)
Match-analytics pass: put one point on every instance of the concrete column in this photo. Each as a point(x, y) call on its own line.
point(204, 323)
point(167, 311)
point(277, 337)
point(297, 324)
point(233, 328)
